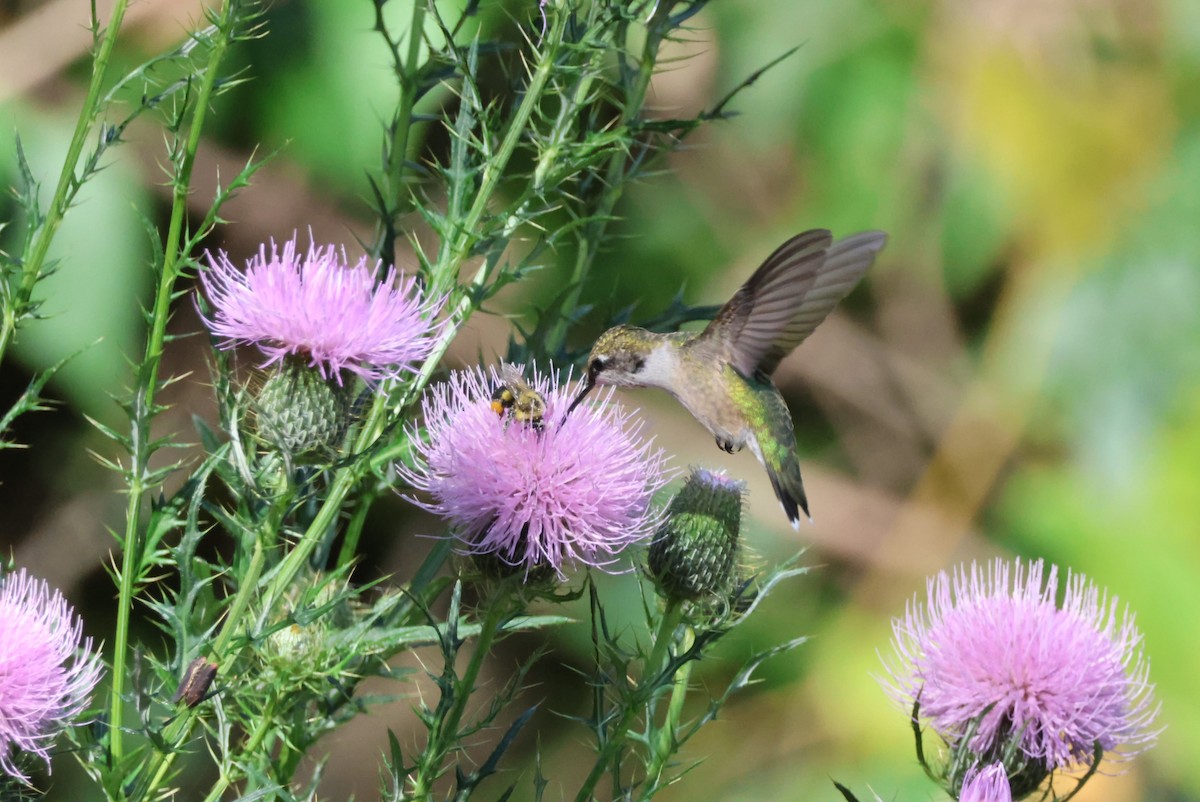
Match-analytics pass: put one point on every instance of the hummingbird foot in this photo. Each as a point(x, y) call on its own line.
point(728, 446)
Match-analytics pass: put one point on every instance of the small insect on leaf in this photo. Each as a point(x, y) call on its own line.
point(196, 681)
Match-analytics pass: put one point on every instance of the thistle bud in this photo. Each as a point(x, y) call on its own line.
point(989, 784)
point(694, 554)
point(296, 652)
point(295, 644)
point(300, 412)
point(1021, 775)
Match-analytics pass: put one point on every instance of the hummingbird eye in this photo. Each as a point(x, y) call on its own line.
point(597, 365)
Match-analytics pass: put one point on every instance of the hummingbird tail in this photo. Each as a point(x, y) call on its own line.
point(789, 489)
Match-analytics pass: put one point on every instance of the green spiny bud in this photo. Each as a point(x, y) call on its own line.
point(695, 551)
point(300, 650)
point(300, 412)
point(295, 644)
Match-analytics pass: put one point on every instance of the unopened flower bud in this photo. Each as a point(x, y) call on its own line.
point(300, 412)
point(989, 784)
point(294, 644)
point(695, 551)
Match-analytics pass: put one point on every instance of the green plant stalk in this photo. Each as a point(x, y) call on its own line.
point(247, 587)
point(613, 182)
point(32, 267)
point(343, 482)
point(654, 666)
point(376, 421)
point(148, 382)
point(346, 478)
point(355, 526)
point(665, 742)
point(416, 30)
point(403, 121)
point(563, 124)
point(444, 734)
point(261, 729)
point(493, 170)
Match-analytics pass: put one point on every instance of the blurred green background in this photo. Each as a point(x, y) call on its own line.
point(1020, 374)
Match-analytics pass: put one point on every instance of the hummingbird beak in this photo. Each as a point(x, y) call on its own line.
point(588, 383)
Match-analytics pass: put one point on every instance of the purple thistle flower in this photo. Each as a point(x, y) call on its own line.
point(319, 308)
point(573, 490)
point(989, 784)
point(45, 683)
point(991, 653)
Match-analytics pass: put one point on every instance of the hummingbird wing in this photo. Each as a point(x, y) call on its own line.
point(789, 295)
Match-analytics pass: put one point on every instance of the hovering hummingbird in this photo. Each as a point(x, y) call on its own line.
point(722, 375)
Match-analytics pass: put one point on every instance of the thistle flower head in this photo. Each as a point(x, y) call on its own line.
point(989, 784)
point(318, 307)
point(574, 489)
point(46, 678)
point(995, 663)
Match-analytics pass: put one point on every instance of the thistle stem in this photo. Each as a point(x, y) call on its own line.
point(262, 728)
point(443, 733)
point(147, 380)
point(467, 235)
point(401, 126)
point(454, 253)
point(355, 526)
point(614, 182)
point(665, 743)
point(248, 585)
point(33, 265)
point(655, 665)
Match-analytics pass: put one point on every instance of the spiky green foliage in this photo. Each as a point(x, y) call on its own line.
point(639, 694)
point(243, 556)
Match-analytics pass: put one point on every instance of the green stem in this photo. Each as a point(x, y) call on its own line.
point(148, 380)
point(248, 585)
point(346, 478)
point(614, 182)
point(443, 736)
point(654, 666)
point(295, 560)
point(371, 429)
point(401, 129)
point(493, 170)
point(261, 729)
point(665, 742)
point(355, 526)
point(36, 259)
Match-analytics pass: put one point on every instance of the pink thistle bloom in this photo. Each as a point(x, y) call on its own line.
point(319, 308)
point(989, 784)
point(992, 649)
point(46, 679)
point(573, 490)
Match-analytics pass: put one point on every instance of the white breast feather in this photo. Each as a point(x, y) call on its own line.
point(659, 370)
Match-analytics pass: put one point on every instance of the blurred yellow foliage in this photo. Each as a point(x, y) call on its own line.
point(1072, 145)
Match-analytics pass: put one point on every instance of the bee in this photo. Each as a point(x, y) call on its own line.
point(515, 397)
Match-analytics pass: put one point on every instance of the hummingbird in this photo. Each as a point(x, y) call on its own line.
point(722, 375)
